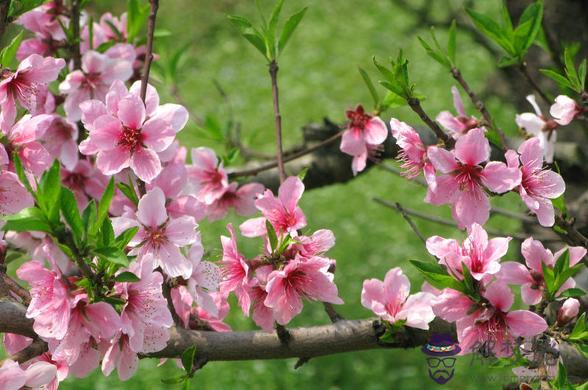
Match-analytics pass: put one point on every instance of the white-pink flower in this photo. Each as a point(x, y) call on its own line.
point(477, 252)
point(463, 179)
point(98, 73)
point(300, 278)
point(538, 185)
point(564, 110)
point(362, 130)
point(61, 141)
point(23, 138)
point(242, 199)
point(236, 273)
point(25, 85)
point(413, 154)
point(537, 126)
point(207, 175)
point(460, 124)
point(158, 241)
point(530, 278)
point(205, 279)
point(390, 300)
point(13, 195)
point(125, 132)
point(283, 212)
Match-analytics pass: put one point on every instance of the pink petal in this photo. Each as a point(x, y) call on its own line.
point(131, 111)
point(396, 287)
point(499, 178)
point(473, 148)
point(182, 231)
point(535, 253)
point(471, 207)
point(525, 323)
point(514, 273)
point(290, 192)
point(418, 310)
point(531, 154)
point(174, 115)
point(375, 131)
point(530, 295)
point(145, 163)
point(443, 160)
point(352, 142)
point(152, 211)
point(157, 134)
point(499, 296)
point(110, 162)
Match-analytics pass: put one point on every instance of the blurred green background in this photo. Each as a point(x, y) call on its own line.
point(318, 77)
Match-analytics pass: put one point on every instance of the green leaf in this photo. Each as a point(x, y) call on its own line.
point(302, 174)
point(560, 382)
point(28, 220)
point(174, 381)
point(437, 276)
point(188, 359)
point(127, 276)
point(392, 100)
point(271, 28)
point(105, 46)
point(436, 55)
point(67, 250)
point(8, 54)
point(186, 384)
point(20, 172)
point(129, 192)
point(19, 7)
point(137, 15)
point(528, 28)
point(48, 192)
point(493, 31)
point(573, 293)
point(104, 205)
point(451, 42)
point(271, 233)
point(125, 237)
point(506, 61)
point(250, 33)
point(570, 68)
point(113, 255)
point(289, 28)
point(370, 85)
point(71, 214)
point(107, 233)
point(89, 215)
point(548, 278)
point(561, 80)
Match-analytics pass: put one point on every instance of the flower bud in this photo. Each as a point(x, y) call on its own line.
point(564, 110)
point(568, 311)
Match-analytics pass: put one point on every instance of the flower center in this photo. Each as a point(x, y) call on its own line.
point(156, 236)
point(468, 176)
point(358, 118)
point(130, 139)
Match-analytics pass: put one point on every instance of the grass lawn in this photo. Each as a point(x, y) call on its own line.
point(318, 77)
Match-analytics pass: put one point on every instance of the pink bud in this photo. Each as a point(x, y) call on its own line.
point(568, 311)
point(564, 110)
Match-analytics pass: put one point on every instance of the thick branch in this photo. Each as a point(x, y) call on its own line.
point(76, 55)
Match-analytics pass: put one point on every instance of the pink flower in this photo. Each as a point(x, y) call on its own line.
point(564, 110)
point(460, 124)
point(23, 138)
point(463, 180)
point(359, 162)
point(568, 311)
point(283, 212)
point(207, 175)
point(537, 126)
point(60, 140)
point(44, 22)
point(413, 153)
point(390, 300)
point(492, 327)
point(300, 278)
point(479, 254)
point(235, 270)
point(88, 323)
point(126, 132)
point(242, 199)
point(85, 181)
point(157, 242)
point(12, 377)
point(25, 84)
point(13, 195)
point(50, 303)
point(363, 129)
point(98, 73)
point(262, 314)
point(538, 185)
point(316, 245)
point(120, 356)
point(205, 279)
point(531, 279)
point(145, 317)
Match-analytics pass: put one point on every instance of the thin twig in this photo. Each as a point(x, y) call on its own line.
point(480, 106)
point(149, 54)
point(17, 289)
point(447, 222)
point(273, 71)
point(273, 164)
point(410, 222)
point(525, 71)
point(415, 105)
point(4, 8)
point(75, 45)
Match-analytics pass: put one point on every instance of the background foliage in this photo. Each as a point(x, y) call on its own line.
point(318, 77)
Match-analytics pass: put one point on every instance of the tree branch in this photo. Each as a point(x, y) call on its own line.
point(75, 48)
point(415, 105)
point(149, 54)
point(273, 71)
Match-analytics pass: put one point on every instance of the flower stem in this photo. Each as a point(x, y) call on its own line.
point(273, 71)
point(149, 54)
